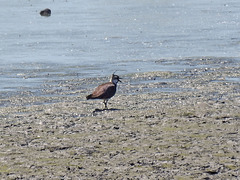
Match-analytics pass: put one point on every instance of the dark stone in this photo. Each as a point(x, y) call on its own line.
point(46, 12)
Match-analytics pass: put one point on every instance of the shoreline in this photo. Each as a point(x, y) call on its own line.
point(191, 132)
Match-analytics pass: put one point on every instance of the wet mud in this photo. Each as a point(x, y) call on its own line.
point(159, 125)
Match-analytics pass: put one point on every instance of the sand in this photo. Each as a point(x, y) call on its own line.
point(160, 125)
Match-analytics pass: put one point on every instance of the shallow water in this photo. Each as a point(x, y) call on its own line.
point(84, 39)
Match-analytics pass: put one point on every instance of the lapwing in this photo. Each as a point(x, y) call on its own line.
point(106, 91)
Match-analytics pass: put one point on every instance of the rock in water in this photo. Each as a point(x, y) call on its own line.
point(46, 12)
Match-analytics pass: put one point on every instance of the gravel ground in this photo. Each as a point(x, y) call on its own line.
point(160, 125)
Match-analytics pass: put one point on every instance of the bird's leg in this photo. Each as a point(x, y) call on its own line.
point(105, 103)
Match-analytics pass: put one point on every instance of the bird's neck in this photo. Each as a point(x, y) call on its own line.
point(114, 81)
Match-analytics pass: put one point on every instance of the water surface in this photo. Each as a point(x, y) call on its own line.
point(94, 38)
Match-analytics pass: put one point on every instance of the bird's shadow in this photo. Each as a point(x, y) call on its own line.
point(101, 110)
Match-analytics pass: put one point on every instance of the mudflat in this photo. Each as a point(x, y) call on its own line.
point(159, 125)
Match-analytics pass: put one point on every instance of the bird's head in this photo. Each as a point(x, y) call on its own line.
point(115, 79)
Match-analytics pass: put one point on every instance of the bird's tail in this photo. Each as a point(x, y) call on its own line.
point(89, 96)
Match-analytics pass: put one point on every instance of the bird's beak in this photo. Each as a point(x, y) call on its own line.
point(119, 79)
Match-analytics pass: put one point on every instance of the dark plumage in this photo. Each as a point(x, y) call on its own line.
point(105, 91)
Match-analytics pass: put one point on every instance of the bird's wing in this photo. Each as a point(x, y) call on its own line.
point(104, 91)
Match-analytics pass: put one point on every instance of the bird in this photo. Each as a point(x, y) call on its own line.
point(106, 91)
